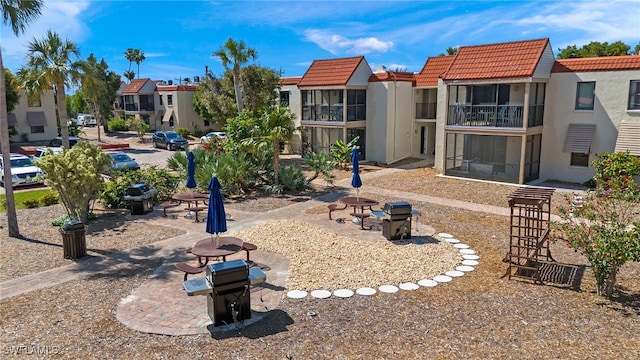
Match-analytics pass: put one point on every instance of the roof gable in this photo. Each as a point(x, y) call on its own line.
point(603, 63)
point(290, 80)
point(393, 76)
point(136, 85)
point(330, 72)
point(432, 69)
point(497, 61)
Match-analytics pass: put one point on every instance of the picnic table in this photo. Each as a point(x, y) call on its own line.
point(361, 203)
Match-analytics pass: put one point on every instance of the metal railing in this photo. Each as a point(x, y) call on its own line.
point(509, 116)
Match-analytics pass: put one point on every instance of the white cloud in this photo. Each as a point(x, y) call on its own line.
point(62, 17)
point(336, 44)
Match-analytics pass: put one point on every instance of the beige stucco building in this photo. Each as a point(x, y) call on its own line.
point(506, 112)
point(34, 121)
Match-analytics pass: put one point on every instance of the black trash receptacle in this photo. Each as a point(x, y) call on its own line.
point(74, 239)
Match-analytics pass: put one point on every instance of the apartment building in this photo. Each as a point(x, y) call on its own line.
point(506, 112)
point(164, 106)
point(34, 121)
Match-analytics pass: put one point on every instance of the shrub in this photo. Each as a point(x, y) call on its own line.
point(118, 124)
point(321, 164)
point(600, 225)
point(184, 132)
point(50, 198)
point(165, 183)
point(292, 178)
point(31, 203)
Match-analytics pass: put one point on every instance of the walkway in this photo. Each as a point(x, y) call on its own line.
point(146, 308)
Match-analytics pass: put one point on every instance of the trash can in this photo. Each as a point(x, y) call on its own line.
point(74, 239)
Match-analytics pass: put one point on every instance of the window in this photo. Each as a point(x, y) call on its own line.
point(160, 95)
point(634, 95)
point(284, 98)
point(579, 159)
point(169, 100)
point(37, 129)
point(356, 105)
point(585, 95)
point(171, 118)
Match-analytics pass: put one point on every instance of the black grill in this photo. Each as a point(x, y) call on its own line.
point(230, 300)
point(140, 198)
point(398, 225)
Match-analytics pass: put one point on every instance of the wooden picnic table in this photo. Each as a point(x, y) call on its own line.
point(208, 248)
point(359, 202)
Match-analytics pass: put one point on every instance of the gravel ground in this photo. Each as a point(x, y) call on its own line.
point(481, 315)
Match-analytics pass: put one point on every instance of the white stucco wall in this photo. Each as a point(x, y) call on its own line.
point(47, 105)
point(295, 106)
point(377, 131)
point(610, 109)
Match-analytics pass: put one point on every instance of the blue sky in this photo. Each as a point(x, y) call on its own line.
point(178, 37)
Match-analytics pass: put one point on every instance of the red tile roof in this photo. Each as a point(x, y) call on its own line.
point(496, 61)
point(176, 87)
point(432, 69)
point(135, 85)
point(330, 72)
point(393, 76)
point(290, 80)
point(604, 63)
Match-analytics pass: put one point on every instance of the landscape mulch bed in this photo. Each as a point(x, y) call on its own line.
point(481, 315)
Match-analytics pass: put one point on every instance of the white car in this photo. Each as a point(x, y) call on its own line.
point(87, 120)
point(212, 135)
point(40, 152)
point(23, 171)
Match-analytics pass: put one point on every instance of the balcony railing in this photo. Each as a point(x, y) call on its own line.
point(509, 116)
point(425, 110)
point(136, 107)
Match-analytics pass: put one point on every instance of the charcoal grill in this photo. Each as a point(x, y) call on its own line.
point(226, 286)
point(140, 198)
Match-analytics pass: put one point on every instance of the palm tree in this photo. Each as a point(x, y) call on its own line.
point(138, 59)
point(130, 75)
point(236, 53)
point(94, 84)
point(50, 64)
point(134, 56)
point(130, 55)
point(17, 14)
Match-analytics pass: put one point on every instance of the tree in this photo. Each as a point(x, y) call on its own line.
point(449, 51)
point(129, 75)
point(133, 55)
point(99, 86)
point(235, 53)
point(600, 224)
point(277, 125)
point(12, 94)
point(16, 13)
point(594, 49)
point(214, 99)
point(76, 175)
point(51, 63)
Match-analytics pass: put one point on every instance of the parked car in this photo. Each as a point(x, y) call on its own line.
point(86, 120)
point(23, 171)
point(40, 152)
point(212, 135)
point(57, 141)
point(169, 140)
point(122, 161)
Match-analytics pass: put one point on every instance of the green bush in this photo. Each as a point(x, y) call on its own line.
point(184, 132)
point(292, 178)
point(31, 203)
point(165, 183)
point(321, 164)
point(118, 124)
point(50, 198)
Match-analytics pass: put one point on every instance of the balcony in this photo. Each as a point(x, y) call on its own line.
point(425, 110)
point(501, 116)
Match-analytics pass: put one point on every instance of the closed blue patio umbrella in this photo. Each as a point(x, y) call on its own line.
point(216, 217)
point(356, 182)
point(191, 171)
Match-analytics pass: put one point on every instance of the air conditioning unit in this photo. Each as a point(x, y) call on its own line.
point(170, 82)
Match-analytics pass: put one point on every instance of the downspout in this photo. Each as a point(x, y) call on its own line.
point(395, 110)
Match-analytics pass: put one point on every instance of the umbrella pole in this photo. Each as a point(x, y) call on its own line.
point(358, 194)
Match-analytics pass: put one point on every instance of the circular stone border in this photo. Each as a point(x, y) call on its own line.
point(470, 260)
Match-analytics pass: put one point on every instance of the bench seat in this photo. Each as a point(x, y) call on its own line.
point(188, 269)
